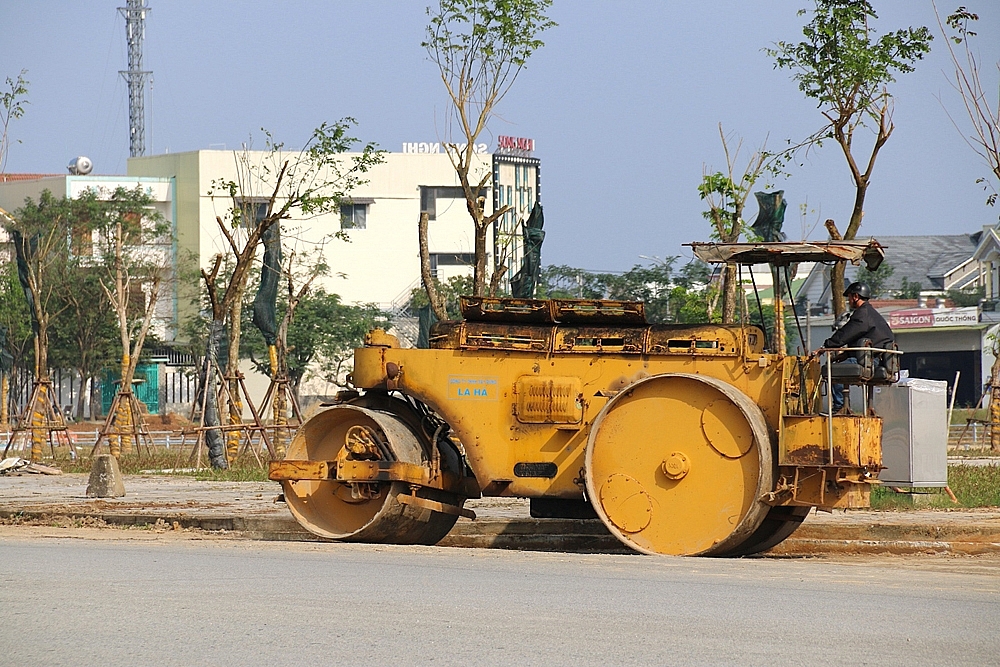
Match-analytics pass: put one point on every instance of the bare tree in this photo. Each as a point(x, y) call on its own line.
point(982, 134)
point(136, 235)
point(726, 194)
point(12, 105)
point(281, 186)
point(479, 47)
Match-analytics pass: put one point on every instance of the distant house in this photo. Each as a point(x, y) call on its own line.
point(939, 340)
point(936, 263)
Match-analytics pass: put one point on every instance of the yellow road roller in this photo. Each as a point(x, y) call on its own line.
point(703, 439)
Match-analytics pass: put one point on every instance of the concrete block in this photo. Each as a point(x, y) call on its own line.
point(105, 478)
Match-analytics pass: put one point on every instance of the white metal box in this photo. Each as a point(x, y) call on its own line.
point(914, 432)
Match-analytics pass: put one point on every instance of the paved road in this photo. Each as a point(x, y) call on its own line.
point(185, 602)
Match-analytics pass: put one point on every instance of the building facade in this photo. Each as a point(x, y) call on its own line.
point(161, 190)
point(379, 261)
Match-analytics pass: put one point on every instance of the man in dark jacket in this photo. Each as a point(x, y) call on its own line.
point(865, 322)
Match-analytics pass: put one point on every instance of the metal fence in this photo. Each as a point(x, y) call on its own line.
point(974, 435)
point(87, 439)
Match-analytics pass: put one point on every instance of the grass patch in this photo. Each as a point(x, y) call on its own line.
point(174, 462)
point(974, 486)
point(961, 415)
point(884, 498)
point(235, 473)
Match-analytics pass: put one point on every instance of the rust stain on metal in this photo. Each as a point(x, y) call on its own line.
point(294, 470)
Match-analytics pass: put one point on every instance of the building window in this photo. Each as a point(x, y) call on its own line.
point(353, 216)
point(439, 259)
point(132, 229)
point(429, 197)
point(82, 241)
point(251, 212)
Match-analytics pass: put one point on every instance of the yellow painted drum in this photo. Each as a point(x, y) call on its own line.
point(677, 463)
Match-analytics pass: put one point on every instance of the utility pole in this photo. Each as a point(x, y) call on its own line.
point(135, 30)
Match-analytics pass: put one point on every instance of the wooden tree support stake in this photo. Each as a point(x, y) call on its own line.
point(42, 420)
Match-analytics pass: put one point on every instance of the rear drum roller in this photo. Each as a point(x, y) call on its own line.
point(777, 526)
point(676, 464)
point(363, 512)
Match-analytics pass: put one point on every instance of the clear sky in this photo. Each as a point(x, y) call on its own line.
point(623, 102)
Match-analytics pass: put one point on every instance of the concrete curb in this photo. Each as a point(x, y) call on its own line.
point(575, 535)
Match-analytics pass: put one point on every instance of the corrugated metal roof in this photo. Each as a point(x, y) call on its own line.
point(25, 177)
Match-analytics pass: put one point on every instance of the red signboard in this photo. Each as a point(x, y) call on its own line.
point(916, 317)
point(505, 143)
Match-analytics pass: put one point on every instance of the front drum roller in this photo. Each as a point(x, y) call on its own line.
point(676, 464)
point(363, 512)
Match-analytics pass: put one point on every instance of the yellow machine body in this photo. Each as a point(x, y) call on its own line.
point(686, 439)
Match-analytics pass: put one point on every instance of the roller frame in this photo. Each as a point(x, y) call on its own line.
point(370, 471)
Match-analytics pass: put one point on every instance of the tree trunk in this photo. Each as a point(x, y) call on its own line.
point(729, 292)
point(995, 400)
point(39, 411)
point(124, 417)
point(279, 407)
point(232, 372)
point(81, 397)
point(836, 273)
point(837, 281)
point(95, 398)
point(5, 400)
point(213, 436)
point(479, 274)
point(426, 277)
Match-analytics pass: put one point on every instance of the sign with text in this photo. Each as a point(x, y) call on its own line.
point(918, 318)
point(473, 387)
point(436, 147)
point(515, 145)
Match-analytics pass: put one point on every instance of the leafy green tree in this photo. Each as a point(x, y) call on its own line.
point(12, 106)
point(480, 48)
point(683, 297)
point(877, 280)
point(567, 282)
point(448, 291)
point(84, 334)
point(970, 296)
point(15, 330)
point(767, 324)
point(40, 231)
point(908, 290)
point(846, 69)
point(321, 338)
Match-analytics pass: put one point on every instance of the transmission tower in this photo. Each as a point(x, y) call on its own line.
point(135, 31)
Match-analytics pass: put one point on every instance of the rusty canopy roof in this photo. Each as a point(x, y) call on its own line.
point(870, 252)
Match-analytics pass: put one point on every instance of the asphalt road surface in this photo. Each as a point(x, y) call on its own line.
point(215, 602)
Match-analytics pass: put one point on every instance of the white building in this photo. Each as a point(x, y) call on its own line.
point(154, 376)
point(161, 190)
point(380, 262)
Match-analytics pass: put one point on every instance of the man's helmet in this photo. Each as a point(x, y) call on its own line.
point(861, 289)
